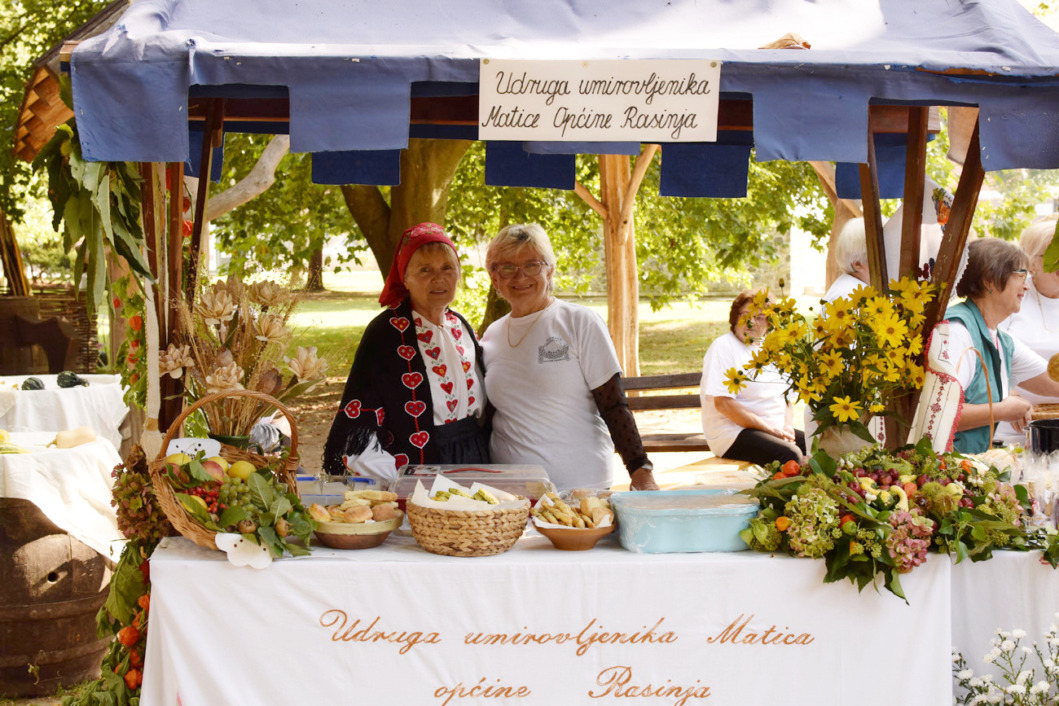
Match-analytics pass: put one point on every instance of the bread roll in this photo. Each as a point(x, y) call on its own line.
point(379, 513)
point(360, 513)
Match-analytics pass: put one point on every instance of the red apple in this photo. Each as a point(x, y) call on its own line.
point(215, 470)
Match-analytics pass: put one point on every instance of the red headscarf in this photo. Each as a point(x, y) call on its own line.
point(394, 291)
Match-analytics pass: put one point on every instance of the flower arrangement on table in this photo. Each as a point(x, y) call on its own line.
point(875, 513)
point(851, 360)
point(233, 338)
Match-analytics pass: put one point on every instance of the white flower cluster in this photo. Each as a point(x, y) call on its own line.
point(1019, 684)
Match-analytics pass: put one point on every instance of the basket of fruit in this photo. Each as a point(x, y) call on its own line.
point(238, 491)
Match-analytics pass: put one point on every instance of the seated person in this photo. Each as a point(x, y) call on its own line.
point(755, 424)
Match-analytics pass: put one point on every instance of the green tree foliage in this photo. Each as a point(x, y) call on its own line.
point(283, 226)
point(28, 29)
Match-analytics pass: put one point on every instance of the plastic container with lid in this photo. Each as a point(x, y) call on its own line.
point(527, 481)
point(666, 521)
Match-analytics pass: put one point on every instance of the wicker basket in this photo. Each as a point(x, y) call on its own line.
point(1046, 411)
point(468, 532)
point(180, 518)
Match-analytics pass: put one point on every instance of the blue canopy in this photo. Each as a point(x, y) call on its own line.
point(344, 76)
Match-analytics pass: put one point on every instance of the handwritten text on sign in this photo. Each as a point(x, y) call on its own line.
point(599, 101)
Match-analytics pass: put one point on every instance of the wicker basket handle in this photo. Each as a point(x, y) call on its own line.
point(214, 397)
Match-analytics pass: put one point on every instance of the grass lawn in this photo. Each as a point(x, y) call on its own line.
point(671, 340)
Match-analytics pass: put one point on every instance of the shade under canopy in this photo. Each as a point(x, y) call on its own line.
point(356, 76)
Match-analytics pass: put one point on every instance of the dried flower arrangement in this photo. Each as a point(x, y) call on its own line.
point(233, 338)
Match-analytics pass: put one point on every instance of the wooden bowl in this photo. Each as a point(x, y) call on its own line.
point(571, 539)
point(360, 535)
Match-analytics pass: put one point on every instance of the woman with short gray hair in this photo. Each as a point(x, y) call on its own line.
point(553, 376)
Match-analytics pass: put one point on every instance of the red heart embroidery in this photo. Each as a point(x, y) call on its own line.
point(460, 349)
point(380, 415)
point(440, 370)
point(457, 333)
point(466, 365)
point(415, 407)
point(352, 409)
point(411, 380)
point(419, 321)
point(452, 404)
point(419, 439)
point(447, 387)
point(470, 400)
point(451, 318)
point(433, 352)
point(425, 336)
point(470, 383)
point(400, 460)
point(399, 322)
point(406, 352)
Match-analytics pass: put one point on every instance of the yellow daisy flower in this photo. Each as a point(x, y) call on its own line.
point(890, 330)
point(735, 380)
point(845, 409)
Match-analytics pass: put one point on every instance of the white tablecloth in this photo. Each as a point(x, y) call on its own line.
point(100, 406)
point(396, 625)
point(1013, 590)
point(72, 487)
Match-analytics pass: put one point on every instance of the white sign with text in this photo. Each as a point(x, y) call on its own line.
point(599, 101)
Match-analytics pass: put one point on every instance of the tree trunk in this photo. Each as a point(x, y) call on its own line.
point(314, 280)
point(623, 291)
point(427, 169)
point(495, 307)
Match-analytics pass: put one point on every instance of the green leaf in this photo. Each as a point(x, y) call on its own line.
point(261, 491)
point(198, 472)
point(279, 507)
point(271, 540)
point(232, 516)
point(101, 201)
point(126, 585)
point(194, 507)
point(1051, 253)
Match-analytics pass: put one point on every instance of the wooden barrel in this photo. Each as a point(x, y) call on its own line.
point(51, 587)
point(17, 359)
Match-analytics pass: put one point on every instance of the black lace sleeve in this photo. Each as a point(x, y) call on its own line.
point(613, 407)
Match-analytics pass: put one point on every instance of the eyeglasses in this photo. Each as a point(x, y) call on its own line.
point(530, 269)
point(1021, 273)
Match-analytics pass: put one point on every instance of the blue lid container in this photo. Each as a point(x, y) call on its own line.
point(667, 521)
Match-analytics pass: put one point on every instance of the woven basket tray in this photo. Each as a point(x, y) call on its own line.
point(467, 532)
point(180, 518)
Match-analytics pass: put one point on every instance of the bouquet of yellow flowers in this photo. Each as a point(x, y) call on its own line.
point(233, 338)
point(849, 362)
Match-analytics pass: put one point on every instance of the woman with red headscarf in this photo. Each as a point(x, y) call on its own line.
point(415, 392)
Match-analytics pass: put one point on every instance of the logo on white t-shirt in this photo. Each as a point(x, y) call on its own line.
point(554, 350)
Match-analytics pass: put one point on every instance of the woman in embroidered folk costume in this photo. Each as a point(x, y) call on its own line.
point(994, 285)
point(553, 375)
point(415, 392)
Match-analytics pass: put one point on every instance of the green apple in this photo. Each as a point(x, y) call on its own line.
point(178, 458)
point(241, 470)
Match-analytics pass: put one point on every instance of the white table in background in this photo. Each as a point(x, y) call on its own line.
point(72, 487)
point(100, 406)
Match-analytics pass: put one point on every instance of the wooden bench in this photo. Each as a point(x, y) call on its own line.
point(680, 441)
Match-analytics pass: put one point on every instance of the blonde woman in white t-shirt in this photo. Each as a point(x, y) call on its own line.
point(754, 425)
point(553, 376)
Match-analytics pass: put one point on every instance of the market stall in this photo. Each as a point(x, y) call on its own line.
point(398, 625)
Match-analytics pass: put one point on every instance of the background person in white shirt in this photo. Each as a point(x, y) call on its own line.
point(755, 424)
point(851, 256)
point(1037, 323)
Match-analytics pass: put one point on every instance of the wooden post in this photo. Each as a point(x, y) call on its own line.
point(873, 227)
point(172, 390)
point(212, 134)
point(958, 228)
point(915, 174)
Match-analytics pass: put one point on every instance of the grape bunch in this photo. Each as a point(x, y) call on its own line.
point(140, 517)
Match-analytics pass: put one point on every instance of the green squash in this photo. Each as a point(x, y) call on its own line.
point(68, 378)
point(32, 384)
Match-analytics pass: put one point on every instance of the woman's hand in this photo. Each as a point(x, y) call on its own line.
point(642, 479)
point(785, 433)
point(1016, 410)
